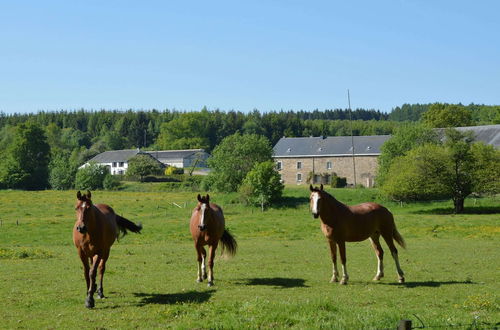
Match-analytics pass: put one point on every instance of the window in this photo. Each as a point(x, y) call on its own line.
point(299, 177)
point(114, 164)
point(328, 165)
point(121, 164)
point(299, 165)
point(279, 165)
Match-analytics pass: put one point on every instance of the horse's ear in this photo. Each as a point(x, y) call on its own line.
point(208, 199)
point(321, 187)
point(88, 194)
point(79, 195)
point(199, 198)
point(311, 187)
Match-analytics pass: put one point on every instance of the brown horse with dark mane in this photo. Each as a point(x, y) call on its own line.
point(342, 223)
point(207, 227)
point(96, 229)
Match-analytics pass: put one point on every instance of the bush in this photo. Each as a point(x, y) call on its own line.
point(111, 182)
point(337, 181)
point(262, 185)
point(91, 177)
point(171, 170)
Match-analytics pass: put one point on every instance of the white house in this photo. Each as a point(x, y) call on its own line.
point(117, 160)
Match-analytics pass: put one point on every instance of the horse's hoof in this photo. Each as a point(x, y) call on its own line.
point(333, 280)
point(343, 282)
point(199, 280)
point(210, 284)
point(401, 280)
point(377, 278)
point(204, 276)
point(100, 294)
point(89, 302)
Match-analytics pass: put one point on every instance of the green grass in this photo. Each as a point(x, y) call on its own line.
point(279, 278)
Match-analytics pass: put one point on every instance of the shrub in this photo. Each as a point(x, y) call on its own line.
point(111, 182)
point(91, 177)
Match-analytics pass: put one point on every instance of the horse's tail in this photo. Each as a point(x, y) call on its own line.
point(229, 244)
point(124, 224)
point(398, 238)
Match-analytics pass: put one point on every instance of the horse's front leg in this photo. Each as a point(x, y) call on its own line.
point(333, 252)
point(89, 302)
point(343, 259)
point(211, 257)
point(202, 274)
point(86, 268)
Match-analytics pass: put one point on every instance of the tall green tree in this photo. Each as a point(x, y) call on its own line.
point(26, 159)
point(262, 185)
point(234, 157)
point(143, 165)
point(453, 169)
point(62, 170)
point(404, 139)
point(442, 115)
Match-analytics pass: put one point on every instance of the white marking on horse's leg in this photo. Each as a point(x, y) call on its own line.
point(199, 278)
point(335, 277)
point(203, 268)
point(345, 276)
point(401, 274)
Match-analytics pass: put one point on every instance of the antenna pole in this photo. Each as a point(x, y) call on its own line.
point(352, 137)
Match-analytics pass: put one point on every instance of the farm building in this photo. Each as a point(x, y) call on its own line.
point(117, 160)
point(305, 160)
point(315, 159)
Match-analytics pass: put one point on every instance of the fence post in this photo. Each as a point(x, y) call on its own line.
point(404, 325)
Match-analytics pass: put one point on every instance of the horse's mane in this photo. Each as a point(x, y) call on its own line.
point(337, 203)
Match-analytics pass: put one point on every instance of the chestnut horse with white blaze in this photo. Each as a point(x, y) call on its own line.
point(96, 229)
point(207, 227)
point(341, 223)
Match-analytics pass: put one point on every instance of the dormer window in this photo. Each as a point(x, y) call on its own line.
point(289, 149)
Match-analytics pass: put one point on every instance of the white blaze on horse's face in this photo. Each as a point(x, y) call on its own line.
point(203, 207)
point(315, 197)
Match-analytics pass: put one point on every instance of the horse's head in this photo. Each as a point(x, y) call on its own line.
point(203, 206)
point(315, 200)
point(83, 205)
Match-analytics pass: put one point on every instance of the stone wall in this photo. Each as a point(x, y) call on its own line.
point(366, 169)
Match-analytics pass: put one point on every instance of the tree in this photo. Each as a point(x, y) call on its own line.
point(453, 169)
point(234, 157)
point(62, 170)
point(26, 159)
point(404, 139)
point(91, 177)
point(142, 165)
point(262, 185)
point(442, 115)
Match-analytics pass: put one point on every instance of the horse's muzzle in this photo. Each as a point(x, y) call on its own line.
point(81, 229)
point(315, 215)
point(202, 227)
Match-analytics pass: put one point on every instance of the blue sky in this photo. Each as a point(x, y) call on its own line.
point(245, 55)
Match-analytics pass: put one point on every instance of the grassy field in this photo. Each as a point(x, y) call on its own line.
point(279, 277)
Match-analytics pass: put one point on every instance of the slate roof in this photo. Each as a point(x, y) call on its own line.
point(115, 156)
point(329, 146)
point(489, 134)
point(173, 154)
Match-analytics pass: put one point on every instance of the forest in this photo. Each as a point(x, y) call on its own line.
point(73, 137)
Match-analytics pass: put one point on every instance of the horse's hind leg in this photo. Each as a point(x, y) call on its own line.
point(394, 252)
point(211, 257)
point(333, 252)
point(380, 256)
point(102, 269)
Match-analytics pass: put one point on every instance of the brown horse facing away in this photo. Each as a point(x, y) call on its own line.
point(96, 229)
point(341, 223)
point(207, 228)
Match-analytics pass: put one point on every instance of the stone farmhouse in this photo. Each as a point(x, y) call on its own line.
point(305, 160)
point(313, 160)
point(117, 160)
